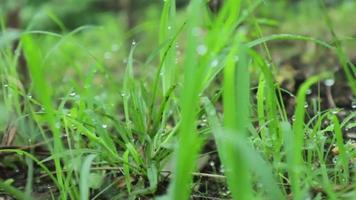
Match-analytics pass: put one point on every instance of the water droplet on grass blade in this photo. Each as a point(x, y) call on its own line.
point(72, 94)
point(334, 160)
point(201, 49)
point(353, 104)
point(309, 91)
point(329, 82)
point(133, 43)
point(104, 126)
point(214, 63)
point(334, 111)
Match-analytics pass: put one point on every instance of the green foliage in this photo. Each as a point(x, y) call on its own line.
point(124, 114)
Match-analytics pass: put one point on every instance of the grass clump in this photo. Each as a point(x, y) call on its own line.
point(85, 128)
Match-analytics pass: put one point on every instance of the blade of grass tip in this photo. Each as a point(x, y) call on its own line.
point(84, 177)
point(236, 104)
point(55, 19)
point(298, 137)
point(280, 103)
point(167, 31)
point(271, 107)
point(41, 89)
point(189, 142)
point(128, 81)
point(342, 151)
point(14, 192)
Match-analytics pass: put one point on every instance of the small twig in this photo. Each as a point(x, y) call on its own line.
point(329, 97)
point(216, 176)
point(206, 197)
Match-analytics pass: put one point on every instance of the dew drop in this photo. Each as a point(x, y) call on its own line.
point(29, 96)
point(133, 43)
point(309, 91)
point(58, 125)
point(72, 94)
point(6, 85)
point(104, 126)
point(353, 104)
point(329, 82)
point(201, 49)
point(214, 63)
point(293, 118)
point(169, 28)
point(334, 160)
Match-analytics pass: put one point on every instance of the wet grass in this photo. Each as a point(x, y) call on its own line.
point(87, 129)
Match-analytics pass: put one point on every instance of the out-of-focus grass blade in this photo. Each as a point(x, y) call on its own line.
point(43, 91)
point(84, 177)
point(287, 37)
point(189, 142)
point(255, 162)
point(236, 119)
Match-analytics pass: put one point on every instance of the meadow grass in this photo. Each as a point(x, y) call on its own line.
point(116, 137)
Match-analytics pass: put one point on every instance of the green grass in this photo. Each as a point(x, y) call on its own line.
point(122, 119)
